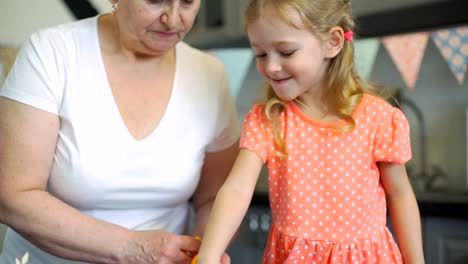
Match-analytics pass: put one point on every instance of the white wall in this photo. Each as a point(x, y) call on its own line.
point(20, 18)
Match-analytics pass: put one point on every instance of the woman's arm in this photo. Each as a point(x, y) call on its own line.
point(28, 138)
point(216, 167)
point(231, 204)
point(403, 210)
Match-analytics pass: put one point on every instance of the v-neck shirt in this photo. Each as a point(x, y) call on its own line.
point(98, 167)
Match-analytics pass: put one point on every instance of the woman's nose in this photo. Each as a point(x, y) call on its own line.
point(171, 16)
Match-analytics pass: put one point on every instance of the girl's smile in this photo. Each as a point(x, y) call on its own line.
point(290, 58)
point(279, 81)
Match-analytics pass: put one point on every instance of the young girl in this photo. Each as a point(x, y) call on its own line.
point(335, 152)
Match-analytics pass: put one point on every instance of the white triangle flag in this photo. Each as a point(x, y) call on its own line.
point(365, 52)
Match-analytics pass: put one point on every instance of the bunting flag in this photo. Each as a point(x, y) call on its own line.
point(237, 62)
point(407, 52)
point(365, 52)
point(453, 45)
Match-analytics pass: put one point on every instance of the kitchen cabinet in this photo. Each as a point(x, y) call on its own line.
point(253, 235)
point(220, 22)
point(445, 240)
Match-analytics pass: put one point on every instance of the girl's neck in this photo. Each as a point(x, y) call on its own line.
point(317, 109)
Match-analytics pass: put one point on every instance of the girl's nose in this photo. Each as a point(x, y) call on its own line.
point(171, 16)
point(273, 65)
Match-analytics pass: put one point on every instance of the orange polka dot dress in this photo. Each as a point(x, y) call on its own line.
point(327, 202)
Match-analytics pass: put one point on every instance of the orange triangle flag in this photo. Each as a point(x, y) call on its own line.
point(407, 52)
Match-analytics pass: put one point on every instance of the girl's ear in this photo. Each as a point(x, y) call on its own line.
point(335, 42)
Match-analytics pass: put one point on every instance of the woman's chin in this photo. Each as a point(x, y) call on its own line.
point(160, 48)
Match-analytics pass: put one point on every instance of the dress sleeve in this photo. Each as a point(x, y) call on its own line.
point(229, 124)
point(35, 76)
point(254, 135)
point(392, 142)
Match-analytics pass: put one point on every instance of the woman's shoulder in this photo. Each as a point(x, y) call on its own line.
point(66, 32)
point(203, 59)
point(86, 23)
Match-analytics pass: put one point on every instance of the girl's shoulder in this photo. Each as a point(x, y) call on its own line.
point(258, 107)
point(372, 99)
point(257, 112)
point(375, 108)
point(370, 102)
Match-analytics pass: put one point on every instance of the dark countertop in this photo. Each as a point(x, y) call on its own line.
point(452, 204)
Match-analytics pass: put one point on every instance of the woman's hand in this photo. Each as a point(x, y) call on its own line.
point(160, 247)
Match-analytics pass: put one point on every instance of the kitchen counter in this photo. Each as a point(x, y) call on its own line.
point(450, 204)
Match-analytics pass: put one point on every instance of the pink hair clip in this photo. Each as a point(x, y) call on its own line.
point(349, 35)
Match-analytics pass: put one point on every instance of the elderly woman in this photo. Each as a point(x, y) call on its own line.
point(110, 127)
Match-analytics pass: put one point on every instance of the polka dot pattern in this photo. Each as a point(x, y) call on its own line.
point(327, 202)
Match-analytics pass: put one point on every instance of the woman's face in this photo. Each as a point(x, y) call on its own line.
point(155, 26)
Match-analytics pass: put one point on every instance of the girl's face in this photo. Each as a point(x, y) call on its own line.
point(155, 26)
point(291, 60)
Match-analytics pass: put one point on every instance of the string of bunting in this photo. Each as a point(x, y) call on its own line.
point(406, 51)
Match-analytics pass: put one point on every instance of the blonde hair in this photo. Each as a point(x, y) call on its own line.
point(344, 86)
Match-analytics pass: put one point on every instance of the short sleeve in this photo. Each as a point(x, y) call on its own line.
point(229, 125)
point(254, 135)
point(392, 142)
point(35, 76)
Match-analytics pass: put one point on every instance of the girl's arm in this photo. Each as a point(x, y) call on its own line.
point(403, 210)
point(231, 204)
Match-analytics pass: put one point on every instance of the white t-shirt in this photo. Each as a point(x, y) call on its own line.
point(98, 167)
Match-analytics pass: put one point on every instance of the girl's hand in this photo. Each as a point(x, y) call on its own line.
point(159, 247)
point(225, 259)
